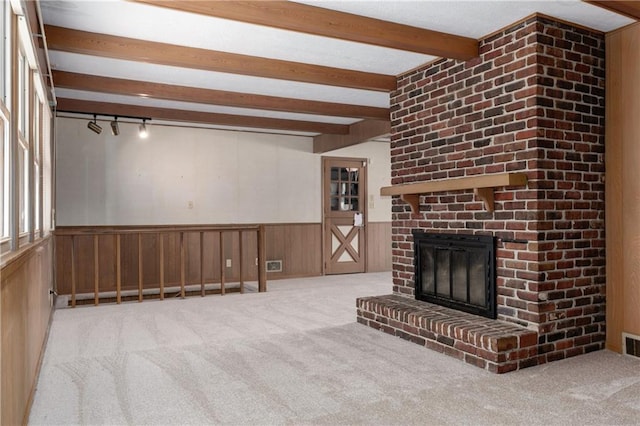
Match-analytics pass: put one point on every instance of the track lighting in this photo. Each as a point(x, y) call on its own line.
point(115, 130)
point(142, 130)
point(93, 125)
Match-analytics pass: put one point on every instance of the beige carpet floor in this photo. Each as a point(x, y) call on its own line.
point(295, 355)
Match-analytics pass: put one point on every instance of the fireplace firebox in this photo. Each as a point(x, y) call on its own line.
point(456, 271)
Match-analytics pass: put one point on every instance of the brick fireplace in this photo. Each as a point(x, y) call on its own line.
point(532, 103)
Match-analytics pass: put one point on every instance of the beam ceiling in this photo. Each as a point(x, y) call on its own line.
point(359, 132)
point(88, 43)
point(247, 55)
point(329, 23)
point(628, 8)
point(144, 89)
point(114, 109)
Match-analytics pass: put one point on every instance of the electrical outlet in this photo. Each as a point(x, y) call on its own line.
point(190, 204)
point(228, 263)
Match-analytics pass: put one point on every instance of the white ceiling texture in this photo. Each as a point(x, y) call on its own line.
point(164, 24)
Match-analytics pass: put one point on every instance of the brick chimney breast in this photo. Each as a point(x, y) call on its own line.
point(533, 102)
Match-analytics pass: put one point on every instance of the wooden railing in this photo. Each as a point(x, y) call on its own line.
point(156, 251)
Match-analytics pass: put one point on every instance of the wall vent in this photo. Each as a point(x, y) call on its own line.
point(631, 345)
point(274, 265)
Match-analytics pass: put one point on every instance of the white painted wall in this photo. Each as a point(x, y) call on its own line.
point(231, 177)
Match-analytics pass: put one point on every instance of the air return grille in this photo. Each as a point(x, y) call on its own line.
point(631, 344)
point(274, 265)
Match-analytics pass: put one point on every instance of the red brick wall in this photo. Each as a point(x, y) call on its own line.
point(532, 102)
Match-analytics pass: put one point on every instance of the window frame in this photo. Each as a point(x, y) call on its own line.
point(5, 52)
point(5, 190)
point(25, 122)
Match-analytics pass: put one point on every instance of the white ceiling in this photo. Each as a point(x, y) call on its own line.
point(134, 20)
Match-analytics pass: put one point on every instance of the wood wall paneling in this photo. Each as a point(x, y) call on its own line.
point(631, 178)
point(25, 309)
point(379, 246)
point(299, 248)
point(623, 184)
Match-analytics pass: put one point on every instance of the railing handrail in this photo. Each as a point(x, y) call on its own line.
point(150, 229)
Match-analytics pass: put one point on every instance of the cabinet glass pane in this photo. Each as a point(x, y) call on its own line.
point(345, 204)
point(335, 173)
point(344, 174)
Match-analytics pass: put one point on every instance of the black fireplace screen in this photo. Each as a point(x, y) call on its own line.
point(457, 271)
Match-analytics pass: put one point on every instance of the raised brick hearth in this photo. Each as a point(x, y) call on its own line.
point(533, 102)
point(495, 345)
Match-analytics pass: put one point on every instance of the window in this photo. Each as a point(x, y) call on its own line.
point(45, 161)
point(23, 186)
point(4, 178)
point(35, 143)
point(23, 89)
point(24, 134)
point(5, 84)
point(25, 122)
point(4, 49)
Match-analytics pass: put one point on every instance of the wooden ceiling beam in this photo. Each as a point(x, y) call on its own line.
point(145, 89)
point(330, 23)
point(627, 8)
point(359, 132)
point(104, 108)
point(88, 43)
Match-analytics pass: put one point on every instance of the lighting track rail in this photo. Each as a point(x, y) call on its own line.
point(143, 131)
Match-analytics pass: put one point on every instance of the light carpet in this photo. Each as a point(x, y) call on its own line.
point(295, 355)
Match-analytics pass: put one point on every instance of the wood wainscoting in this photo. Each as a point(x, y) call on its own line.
point(378, 246)
point(622, 191)
point(25, 307)
point(299, 246)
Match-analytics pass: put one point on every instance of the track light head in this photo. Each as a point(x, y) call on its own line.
point(142, 130)
point(93, 126)
point(115, 130)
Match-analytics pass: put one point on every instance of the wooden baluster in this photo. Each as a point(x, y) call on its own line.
point(182, 268)
point(240, 263)
point(161, 263)
point(222, 263)
point(73, 271)
point(262, 255)
point(201, 263)
point(96, 271)
point(118, 271)
point(139, 267)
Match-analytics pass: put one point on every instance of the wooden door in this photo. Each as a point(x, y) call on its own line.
point(344, 197)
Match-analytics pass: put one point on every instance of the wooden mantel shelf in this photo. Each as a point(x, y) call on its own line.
point(482, 186)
